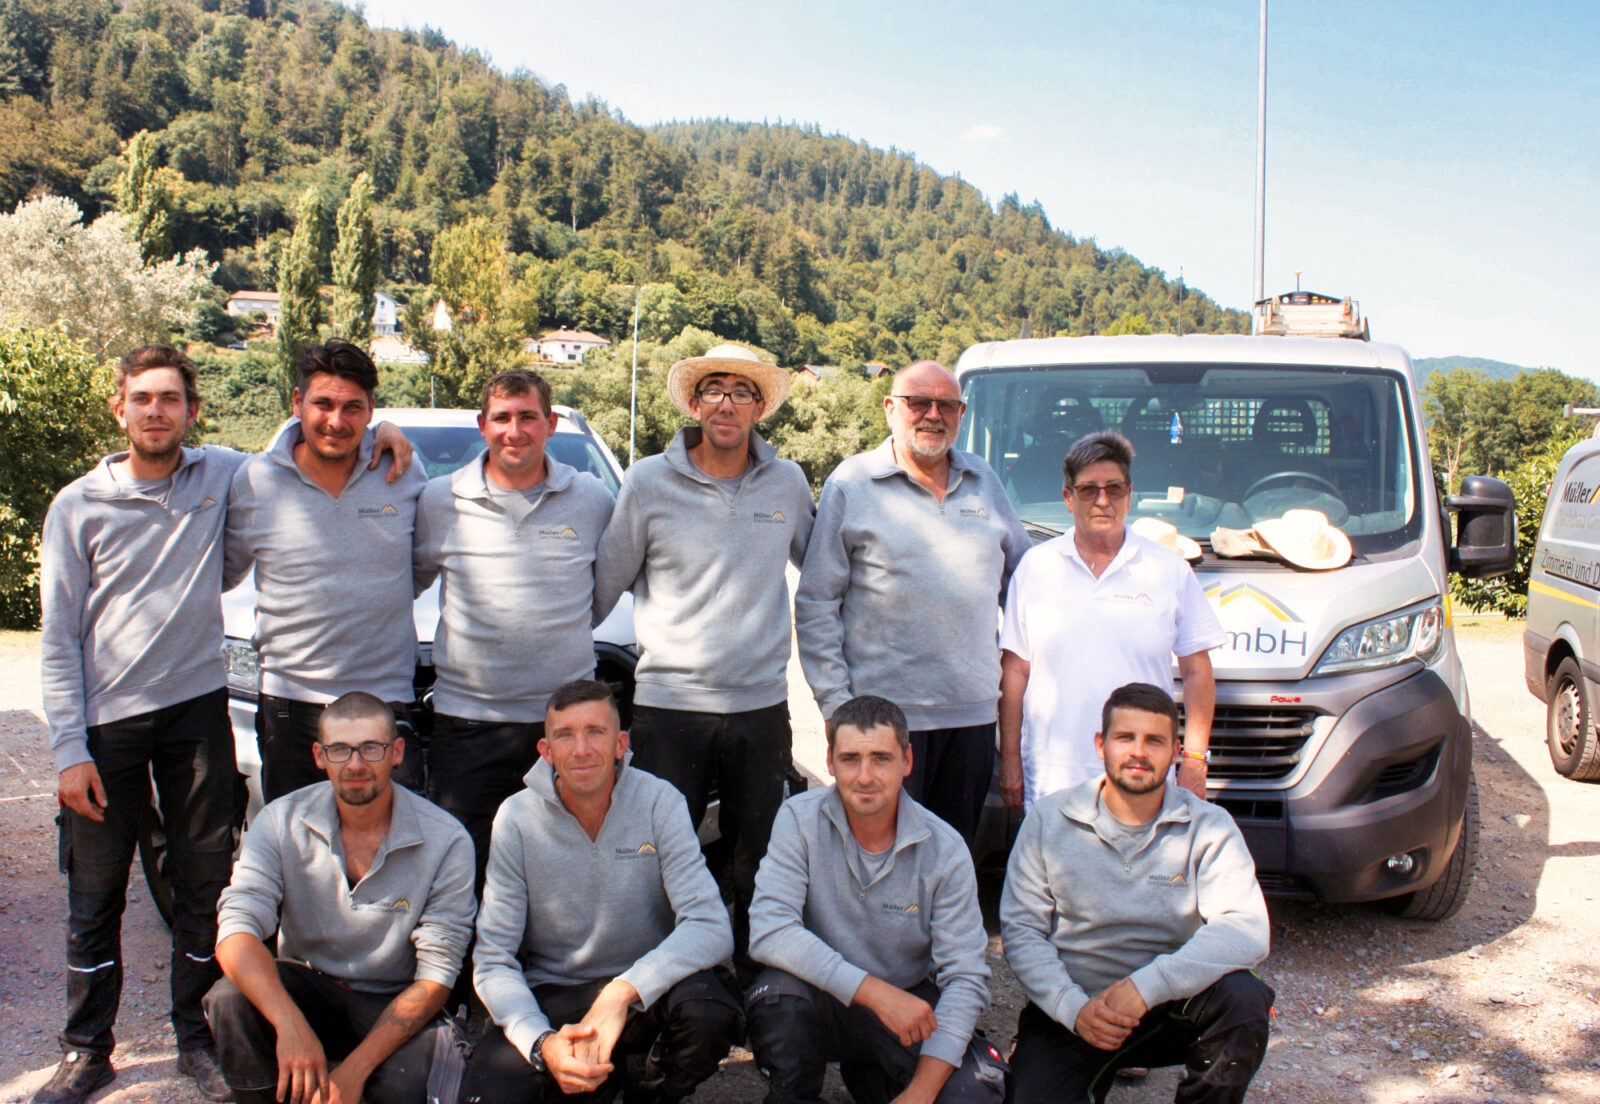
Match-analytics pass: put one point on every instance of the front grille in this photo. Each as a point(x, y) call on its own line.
point(1250, 808)
point(1278, 884)
point(1257, 743)
point(1398, 778)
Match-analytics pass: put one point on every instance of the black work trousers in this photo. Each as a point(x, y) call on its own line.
point(285, 731)
point(188, 750)
point(796, 1029)
point(475, 765)
point(663, 1053)
point(1219, 1035)
point(743, 758)
point(950, 773)
point(340, 1017)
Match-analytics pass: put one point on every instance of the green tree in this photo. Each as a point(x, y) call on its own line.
point(1449, 400)
point(355, 265)
point(142, 196)
point(299, 295)
point(471, 277)
point(55, 424)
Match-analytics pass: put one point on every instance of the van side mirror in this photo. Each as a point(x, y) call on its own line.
point(1486, 528)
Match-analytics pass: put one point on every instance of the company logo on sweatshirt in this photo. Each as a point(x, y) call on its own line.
point(628, 854)
point(974, 512)
point(1175, 881)
point(399, 904)
point(388, 511)
point(900, 910)
point(774, 518)
point(558, 532)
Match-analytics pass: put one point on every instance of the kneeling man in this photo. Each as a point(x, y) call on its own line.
point(866, 915)
point(373, 885)
point(602, 930)
point(1132, 917)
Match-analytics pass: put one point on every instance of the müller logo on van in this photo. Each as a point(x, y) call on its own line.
point(1577, 490)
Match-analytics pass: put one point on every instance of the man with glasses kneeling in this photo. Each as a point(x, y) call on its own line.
point(369, 888)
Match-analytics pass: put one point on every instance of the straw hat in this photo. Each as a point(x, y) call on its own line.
point(1167, 536)
point(729, 359)
point(1237, 543)
point(1306, 539)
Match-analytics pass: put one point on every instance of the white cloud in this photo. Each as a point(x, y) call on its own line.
point(983, 132)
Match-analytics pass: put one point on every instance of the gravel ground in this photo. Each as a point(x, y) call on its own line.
point(1499, 1003)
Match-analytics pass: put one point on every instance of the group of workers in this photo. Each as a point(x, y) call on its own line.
point(557, 852)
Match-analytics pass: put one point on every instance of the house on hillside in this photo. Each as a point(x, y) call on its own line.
point(385, 314)
point(390, 348)
point(817, 372)
point(241, 304)
point(876, 368)
point(565, 346)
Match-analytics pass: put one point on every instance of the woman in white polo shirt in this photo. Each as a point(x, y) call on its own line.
point(1096, 608)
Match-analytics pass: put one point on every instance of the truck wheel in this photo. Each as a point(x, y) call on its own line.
point(153, 857)
point(1569, 727)
point(1445, 897)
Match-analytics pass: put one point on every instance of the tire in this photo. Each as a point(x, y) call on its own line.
point(1569, 724)
point(1444, 898)
point(153, 858)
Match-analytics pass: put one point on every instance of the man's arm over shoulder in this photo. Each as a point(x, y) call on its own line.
point(622, 547)
point(701, 936)
point(64, 577)
point(502, 918)
point(1234, 931)
point(819, 603)
point(778, 934)
point(445, 927)
point(960, 957)
point(1027, 922)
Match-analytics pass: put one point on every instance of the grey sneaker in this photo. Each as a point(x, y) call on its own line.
point(201, 1064)
point(76, 1079)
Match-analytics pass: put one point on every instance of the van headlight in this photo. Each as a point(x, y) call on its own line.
point(244, 667)
point(1416, 633)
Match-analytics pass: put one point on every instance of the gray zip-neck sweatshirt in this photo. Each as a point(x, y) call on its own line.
point(817, 915)
point(900, 593)
point(1175, 915)
point(516, 597)
point(408, 919)
point(706, 566)
point(635, 903)
point(132, 595)
point(333, 575)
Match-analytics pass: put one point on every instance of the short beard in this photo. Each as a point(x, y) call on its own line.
point(362, 795)
point(921, 451)
point(163, 457)
point(1156, 782)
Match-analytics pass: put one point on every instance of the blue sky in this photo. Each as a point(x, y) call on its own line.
point(1440, 162)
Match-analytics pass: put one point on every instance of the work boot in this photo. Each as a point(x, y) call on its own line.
point(202, 1065)
point(76, 1078)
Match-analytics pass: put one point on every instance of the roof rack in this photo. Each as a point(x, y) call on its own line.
point(1310, 314)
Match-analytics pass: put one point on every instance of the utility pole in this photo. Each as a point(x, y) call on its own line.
point(1261, 170)
point(633, 395)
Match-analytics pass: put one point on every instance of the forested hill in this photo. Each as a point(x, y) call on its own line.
point(1491, 369)
point(818, 248)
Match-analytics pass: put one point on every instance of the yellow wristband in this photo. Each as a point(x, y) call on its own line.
point(1202, 756)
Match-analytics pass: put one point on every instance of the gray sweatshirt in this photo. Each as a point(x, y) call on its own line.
point(1180, 911)
point(516, 600)
point(408, 919)
point(706, 566)
point(900, 593)
point(132, 593)
point(333, 575)
point(818, 916)
point(636, 903)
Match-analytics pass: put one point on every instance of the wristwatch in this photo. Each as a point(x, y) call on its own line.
point(536, 1057)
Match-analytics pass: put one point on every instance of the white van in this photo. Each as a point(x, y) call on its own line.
point(1561, 644)
point(1341, 742)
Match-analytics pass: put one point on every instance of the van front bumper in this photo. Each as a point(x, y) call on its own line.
point(1389, 779)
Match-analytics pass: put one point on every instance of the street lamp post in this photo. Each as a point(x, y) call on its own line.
point(633, 396)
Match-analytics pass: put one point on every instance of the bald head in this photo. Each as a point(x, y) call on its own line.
point(923, 410)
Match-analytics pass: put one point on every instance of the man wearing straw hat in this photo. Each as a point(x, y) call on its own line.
point(701, 534)
point(902, 585)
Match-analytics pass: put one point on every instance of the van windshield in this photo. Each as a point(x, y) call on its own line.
point(1214, 445)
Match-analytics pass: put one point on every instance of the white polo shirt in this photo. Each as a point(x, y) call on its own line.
point(1083, 637)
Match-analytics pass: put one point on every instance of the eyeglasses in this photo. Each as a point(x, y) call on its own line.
point(713, 396)
point(371, 751)
point(1091, 492)
point(919, 404)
